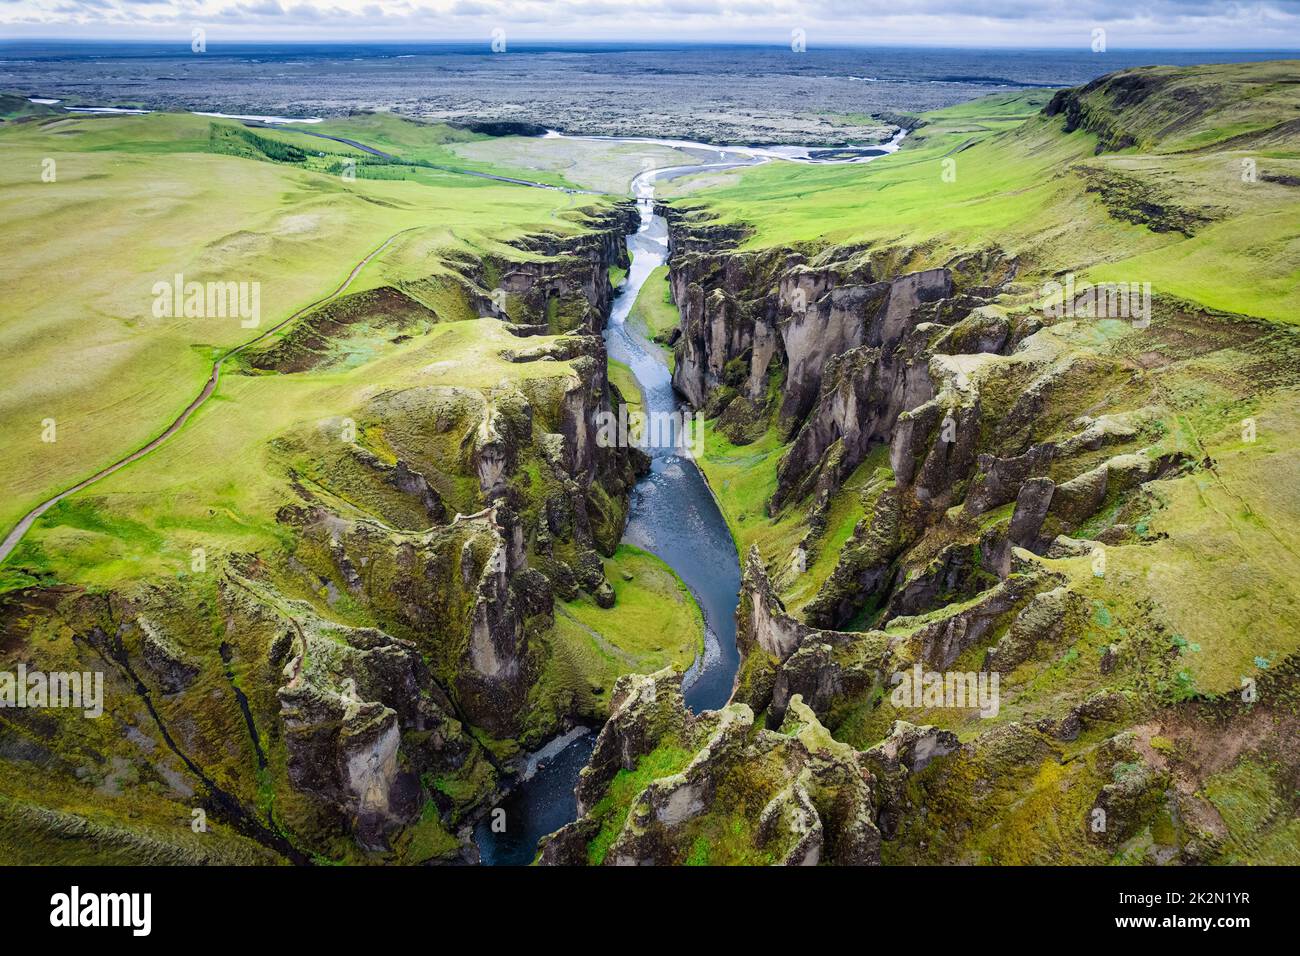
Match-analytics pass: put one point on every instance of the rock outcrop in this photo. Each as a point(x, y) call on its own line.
point(844, 345)
point(728, 793)
point(563, 284)
point(323, 696)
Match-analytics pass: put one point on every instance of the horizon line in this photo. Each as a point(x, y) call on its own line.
point(629, 43)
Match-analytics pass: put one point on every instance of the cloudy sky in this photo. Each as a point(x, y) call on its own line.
point(1202, 24)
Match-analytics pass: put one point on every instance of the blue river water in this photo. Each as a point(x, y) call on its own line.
point(674, 516)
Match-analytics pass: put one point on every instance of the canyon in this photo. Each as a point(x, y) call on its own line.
point(431, 600)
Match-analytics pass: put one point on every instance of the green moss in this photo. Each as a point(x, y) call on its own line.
point(728, 838)
point(611, 810)
point(427, 839)
point(467, 785)
point(1262, 828)
point(622, 378)
point(1001, 808)
point(654, 312)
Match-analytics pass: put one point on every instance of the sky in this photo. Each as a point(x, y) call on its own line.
point(1131, 24)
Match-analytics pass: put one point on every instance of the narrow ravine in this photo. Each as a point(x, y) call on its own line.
point(673, 513)
point(674, 516)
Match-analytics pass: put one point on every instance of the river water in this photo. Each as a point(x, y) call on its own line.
point(674, 516)
point(673, 512)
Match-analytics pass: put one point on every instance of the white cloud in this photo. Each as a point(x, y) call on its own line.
point(1241, 24)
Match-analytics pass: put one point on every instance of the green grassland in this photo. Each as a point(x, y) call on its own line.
point(139, 199)
point(220, 481)
point(1015, 181)
point(391, 363)
point(621, 377)
point(15, 107)
point(659, 624)
point(654, 313)
point(414, 145)
point(654, 623)
point(424, 144)
point(588, 164)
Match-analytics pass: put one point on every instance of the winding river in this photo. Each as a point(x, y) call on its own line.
point(673, 512)
point(674, 516)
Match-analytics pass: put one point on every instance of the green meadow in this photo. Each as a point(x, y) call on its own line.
point(586, 163)
point(995, 173)
point(218, 483)
point(369, 355)
point(655, 623)
point(654, 313)
point(138, 200)
point(1175, 209)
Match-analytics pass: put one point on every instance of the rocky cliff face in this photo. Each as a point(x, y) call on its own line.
point(473, 592)
point(846, 352)
point(1007, 439)
point(563, 283)
point(732, 793)
point(336, 711)
point(784, 657)
point(974, 404)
